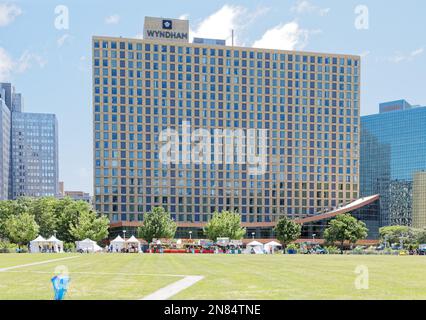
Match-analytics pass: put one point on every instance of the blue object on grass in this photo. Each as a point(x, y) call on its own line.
point(60, 286)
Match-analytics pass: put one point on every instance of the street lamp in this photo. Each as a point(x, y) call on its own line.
point(124, 235)
point(252, 234)
point(401, 242)
point(54, 233)
point(190, 235)
point(313, 237)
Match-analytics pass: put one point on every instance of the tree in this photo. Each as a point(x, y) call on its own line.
point(43, 210)
point(9, 208)
point(5, 213)
point(89, 225)
point(393, 234)
point(157, 224)
point(421, 236)
point(225, 224)
point(287, 231)
point(67, 212)
point(345, 228)
point(21, 229)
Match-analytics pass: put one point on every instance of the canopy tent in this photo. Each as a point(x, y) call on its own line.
point(133, 244)
point(41, 244)
point(88, 245)
point(37, 244)
point(255, 246)
point(272, 246)
point(117, 244)
point(58, 245)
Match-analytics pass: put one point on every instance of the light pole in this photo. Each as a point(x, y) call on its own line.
point(54, 233)
point(124, 235)
point(190, 235)
point(313, 237)
point(252, 235)
point(401, 242)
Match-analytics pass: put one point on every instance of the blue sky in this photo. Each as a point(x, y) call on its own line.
point(52, 69)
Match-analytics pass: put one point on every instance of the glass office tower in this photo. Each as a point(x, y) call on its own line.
point(393, 154)
point(34, 150)
point(308, 103)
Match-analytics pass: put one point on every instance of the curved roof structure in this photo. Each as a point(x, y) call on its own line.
point(345, 209)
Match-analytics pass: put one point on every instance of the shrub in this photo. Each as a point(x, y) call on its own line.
point(7, 247)
point(292, 248)
point(332, 250)
point(69, 247)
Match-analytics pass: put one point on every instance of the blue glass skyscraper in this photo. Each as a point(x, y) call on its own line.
point(393, 156)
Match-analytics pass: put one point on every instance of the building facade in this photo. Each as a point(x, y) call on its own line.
point(307, 103)
point(34, 155)
point(29, 149)
point(393, 157)
point(4, 150)
point(79, 196)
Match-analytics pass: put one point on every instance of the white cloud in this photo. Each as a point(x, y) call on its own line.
point(220, 24)
point(304, 6)
point(6, 65)
point(9, 66)
point(288, 36)
point(27, 60)
point(112, 19)
point(8, 13)
point(62, 39)
point(417, 52)
point(405, 57)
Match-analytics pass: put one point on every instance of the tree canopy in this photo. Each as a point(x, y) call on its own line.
point(157, 224)
point(392, 234)
point(89, 225)
point(287, 231)
point(345, 228)
point(71, 220)
point(21, 228)
point(226, 224)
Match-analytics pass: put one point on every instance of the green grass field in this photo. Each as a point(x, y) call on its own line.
point(134, 276)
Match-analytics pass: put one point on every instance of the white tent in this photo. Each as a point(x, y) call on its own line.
point(256, 246)
point(133, 243)
point(272, 246)
point(37, 244)
point(117, 244)
point(52, 244)
point(88, 245)
point(57, 245)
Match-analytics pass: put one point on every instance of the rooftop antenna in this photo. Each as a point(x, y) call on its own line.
point(232, 37)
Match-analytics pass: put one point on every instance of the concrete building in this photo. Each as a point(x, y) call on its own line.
point(307, 104)
point(393, 159)
point(79, 196)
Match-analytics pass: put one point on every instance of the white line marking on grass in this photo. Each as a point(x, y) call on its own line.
point(110, 273)
point(36, 263)
point(174, 288)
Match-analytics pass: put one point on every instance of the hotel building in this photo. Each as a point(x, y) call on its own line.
point(307, 103)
